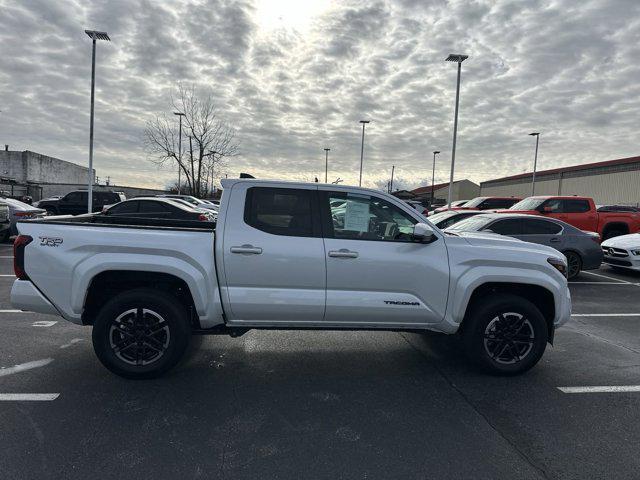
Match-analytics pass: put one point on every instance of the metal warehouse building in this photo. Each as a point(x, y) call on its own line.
point(610, 182)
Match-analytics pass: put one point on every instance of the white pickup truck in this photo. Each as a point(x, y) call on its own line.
point(289, 256)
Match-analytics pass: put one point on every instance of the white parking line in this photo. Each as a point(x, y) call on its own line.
point(4, 275)
point(6, 256)
point(601, 389)
point(14, 311)
point(28, 397)
point(605, 276)
point(25, 366)
point(605, 314)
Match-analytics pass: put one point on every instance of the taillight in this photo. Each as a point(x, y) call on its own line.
point(22, 214)
point(203, 218)
point(18, 255)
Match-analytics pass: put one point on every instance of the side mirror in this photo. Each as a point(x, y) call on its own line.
point(546, 209)
point(423, 233)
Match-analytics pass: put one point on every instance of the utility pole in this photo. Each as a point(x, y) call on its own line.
point(433, 176)
point(393, 167)
point(326, 164)
point(94, 35)
point(180, 115)
point(535, 163)
point(363, 122)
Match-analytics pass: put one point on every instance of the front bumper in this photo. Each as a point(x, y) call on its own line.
point(25, 296)
point(563, 309)
point(631, 262)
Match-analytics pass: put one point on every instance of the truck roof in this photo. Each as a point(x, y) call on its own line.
point(229, 182)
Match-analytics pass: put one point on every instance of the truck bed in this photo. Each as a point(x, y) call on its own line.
point(127, 222)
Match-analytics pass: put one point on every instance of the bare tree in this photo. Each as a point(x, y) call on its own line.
point(202, 129)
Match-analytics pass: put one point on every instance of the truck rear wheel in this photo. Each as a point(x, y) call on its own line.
point(505, 335)
point(141, 333)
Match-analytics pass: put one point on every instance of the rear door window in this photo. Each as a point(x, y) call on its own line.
point(281, 211)
point(540, 227)
point(125, 208)
point(576, 206)
point(151, 208)
point(511, 226)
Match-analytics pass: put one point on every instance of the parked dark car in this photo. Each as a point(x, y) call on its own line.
point(75, 203)
point(20, 211)
point(445, 219)
point(581, 248)
point(157, 207)
point(5, 223)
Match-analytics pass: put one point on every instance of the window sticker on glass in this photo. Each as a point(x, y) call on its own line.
point(356, 217)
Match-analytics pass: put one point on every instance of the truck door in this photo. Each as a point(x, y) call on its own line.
point(273, 256)
point(376, 274)
point(578, 213)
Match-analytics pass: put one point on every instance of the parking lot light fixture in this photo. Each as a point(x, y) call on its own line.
point(393, 167)
point(433, 176)
point(326, 164)
point(535, 163)
point(94, 35)
point(363, 122)
point(458, 58)
point(180, 115)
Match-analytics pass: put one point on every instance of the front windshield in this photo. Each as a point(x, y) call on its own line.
point(530, 203)
point(475, 202)
point(471, 224)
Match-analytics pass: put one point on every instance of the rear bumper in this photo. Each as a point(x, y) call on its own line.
point(25, 296)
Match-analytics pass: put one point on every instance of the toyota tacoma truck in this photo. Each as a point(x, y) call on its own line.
point(581, 212)
point(289, 256)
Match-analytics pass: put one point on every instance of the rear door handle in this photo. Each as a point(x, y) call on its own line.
point(343, 253)
point(247, 249)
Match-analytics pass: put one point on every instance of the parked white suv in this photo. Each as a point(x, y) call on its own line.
point(290, 255)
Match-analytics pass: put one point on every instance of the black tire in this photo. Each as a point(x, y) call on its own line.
point(141, 333)
point(612, 233)
point(5, 236)
point(504, 334)
point(574, 264)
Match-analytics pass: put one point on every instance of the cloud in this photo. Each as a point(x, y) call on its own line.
point(561, 67)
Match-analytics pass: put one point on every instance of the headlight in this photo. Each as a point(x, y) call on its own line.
point(558, 264)
point(636, 251)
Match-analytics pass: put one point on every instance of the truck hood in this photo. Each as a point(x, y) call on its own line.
point(483, 239)
point(623, 241)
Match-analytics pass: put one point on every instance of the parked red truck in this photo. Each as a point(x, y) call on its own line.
point(581, 213)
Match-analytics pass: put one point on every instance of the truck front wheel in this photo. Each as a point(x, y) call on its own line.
point(505, 334)
point(141, 333)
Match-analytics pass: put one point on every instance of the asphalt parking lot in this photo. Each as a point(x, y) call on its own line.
point(326, 404)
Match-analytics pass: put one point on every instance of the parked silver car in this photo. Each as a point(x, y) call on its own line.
point(20, 211)
point(581, 248)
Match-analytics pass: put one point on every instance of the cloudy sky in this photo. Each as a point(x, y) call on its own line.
point(296, 76)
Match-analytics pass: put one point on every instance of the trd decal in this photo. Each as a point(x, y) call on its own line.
point(395, 302)
point(50, 241)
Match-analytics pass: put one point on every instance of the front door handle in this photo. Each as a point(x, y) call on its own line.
point(247, 249)
point(554, 240)
point(343, 253)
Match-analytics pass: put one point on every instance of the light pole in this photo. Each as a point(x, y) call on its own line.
point(180, 115)
point(458, 58)
point(363, 122)
point(94, 35)
point(433, 176)
point(393, 167)
point(326, 164)
point(535, 163)
point(213, 154)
